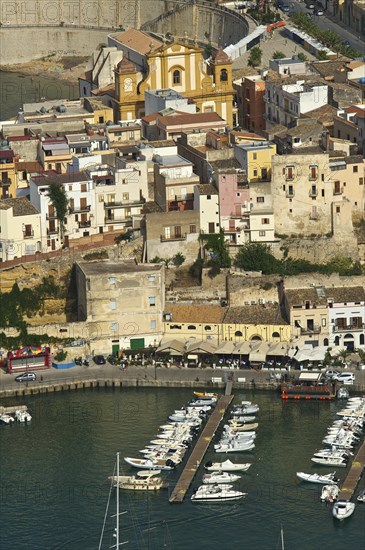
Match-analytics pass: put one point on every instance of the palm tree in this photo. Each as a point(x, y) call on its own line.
point(344, 353)
point(58, 198)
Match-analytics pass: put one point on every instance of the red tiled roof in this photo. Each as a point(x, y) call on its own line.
point(7, 154)
point(21, 138)
point(150, 118)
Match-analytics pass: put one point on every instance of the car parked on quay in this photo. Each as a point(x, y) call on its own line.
point(26, 377)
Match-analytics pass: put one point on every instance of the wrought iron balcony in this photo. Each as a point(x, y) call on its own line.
point(315, 330)
point(347, 328)
point(84, 224)
point(79, 209)
point(52, 231)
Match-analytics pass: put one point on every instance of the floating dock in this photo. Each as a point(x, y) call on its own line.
point(194, 461)
point(354, 475)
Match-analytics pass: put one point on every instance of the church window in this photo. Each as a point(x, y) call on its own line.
point(224, 75)
point(177, 77)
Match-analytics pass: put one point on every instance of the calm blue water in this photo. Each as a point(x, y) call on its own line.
point(54, 479)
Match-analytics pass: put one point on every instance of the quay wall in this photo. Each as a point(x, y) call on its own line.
point(118, 384)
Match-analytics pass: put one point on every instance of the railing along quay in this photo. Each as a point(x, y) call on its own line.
point(354, 475)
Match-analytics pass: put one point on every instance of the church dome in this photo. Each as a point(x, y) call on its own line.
point(126, 67)
point(221, 58)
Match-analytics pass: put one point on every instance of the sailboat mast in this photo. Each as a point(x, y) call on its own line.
point(282, 538)
point(117, 528)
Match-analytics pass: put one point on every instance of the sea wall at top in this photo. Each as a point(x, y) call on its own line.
point(31, 29)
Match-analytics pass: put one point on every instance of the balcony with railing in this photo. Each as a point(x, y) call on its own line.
point(169, 238)
point(80, 209)
point(315, 329)
point(349, 328)
point(28, 234)
point(83, 224)
point(51, 216)
point(52, 231)
point(125, 204)
point(313, 192)
point(5, 182)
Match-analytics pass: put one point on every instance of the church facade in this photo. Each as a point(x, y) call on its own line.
point(149, 63)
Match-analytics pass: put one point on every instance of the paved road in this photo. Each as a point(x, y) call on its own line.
point(172, 374)
point(328, 22)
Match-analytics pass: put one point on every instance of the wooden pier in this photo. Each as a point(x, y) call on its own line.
point(353, 477)
point(201, 447)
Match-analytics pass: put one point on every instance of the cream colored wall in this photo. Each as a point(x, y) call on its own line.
point(11, 233)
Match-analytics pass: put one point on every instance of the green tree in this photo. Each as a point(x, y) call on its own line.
point(278, 55)
point(321, 55)
point(217, 247)
point(302, 57)
point(255, 56)
point(257, 257)
point(58, 198)
point(178, 259)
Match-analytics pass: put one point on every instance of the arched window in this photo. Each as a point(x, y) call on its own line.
point(275, 335)
point(238, 333)
point(325, 342)
point(224, 75)
point(256, 338)
point(176, 77)
point(337, 341)
point(362, 339)
point(191, 327)
point(207, 327)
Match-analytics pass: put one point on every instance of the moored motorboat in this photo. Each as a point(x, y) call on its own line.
point(343, 509)
point(220, 477)
point(329, 479)
point(216, 493)
point(234, 447)
point(205, 395)
point(226, 466)
point(330, 461)
point(329, 493)
point(148, 464)
point(236, 427)
point(22, 416)
point(242, 420)
point(142, 481)
point(6, 418)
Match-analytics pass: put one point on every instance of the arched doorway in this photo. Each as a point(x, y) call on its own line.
point(348, 342)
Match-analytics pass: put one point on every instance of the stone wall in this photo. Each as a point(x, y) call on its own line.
point(77, 27)
point(317, 249)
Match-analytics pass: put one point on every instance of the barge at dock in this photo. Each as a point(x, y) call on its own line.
point(308, 386)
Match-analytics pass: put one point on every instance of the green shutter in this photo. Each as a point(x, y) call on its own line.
point(137, 343)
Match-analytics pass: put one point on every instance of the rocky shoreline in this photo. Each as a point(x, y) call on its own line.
point(66, 69)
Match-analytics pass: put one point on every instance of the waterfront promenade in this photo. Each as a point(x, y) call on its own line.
point(149, 376)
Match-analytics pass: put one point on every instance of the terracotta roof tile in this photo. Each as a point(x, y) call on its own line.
point(195, 313)
point(138, 41)
point(255, 315)
point(190, 118)
point(21, 206)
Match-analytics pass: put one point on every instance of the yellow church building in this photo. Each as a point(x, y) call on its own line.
point(149, 63)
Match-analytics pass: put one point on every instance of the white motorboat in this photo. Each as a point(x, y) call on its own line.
point(235, 447)
point(148, 464)
point(142, 481)
point(220, 477)
point(199, 403)
point(247, 434)
point(330, 461)
point(361, 496)
point(343, 509)
point(244, 410)
point(235, 441)
point(22, 416)
point(329, 493)
point(328, 479)
point(216, 493)
point(226, 466)
point(242, 419)
point(338, 453)
point(342, 393)
point(6, 418)
point(235, 427)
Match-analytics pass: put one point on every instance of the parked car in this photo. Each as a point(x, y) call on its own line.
point(345, 377)
point(332, 374)
point(99, 359)
point(26, 377)
point(346, 44)
point(285, 8)
point(310, 5)
point(318, 11)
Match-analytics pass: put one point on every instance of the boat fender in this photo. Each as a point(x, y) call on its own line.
point(209, 464)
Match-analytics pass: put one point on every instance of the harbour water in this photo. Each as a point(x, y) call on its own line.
point(16, 89)
point(54, 478)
